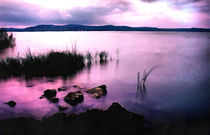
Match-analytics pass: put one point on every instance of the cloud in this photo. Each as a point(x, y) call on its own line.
point(202, 6)
point(149, 0)
point(185, 1)
point(123, 12)
point(28, 14)
point(175, 1)
point(95, 15)
point(16, 13)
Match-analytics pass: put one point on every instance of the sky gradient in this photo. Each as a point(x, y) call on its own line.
point(152, 13)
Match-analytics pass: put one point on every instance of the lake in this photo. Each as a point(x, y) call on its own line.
point(178, 88)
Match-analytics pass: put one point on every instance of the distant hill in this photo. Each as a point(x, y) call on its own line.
point(77, 27)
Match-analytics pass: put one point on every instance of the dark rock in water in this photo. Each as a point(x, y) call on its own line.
point(114, 120)
point(62, 108)
point(30, 85)
point(116, 107)
point(11, 103)
point(54, 100)
point(78, 86)
point(98, 91)
point(73, 98)
point(121, 113)
point(49, 93)
point(62, 89)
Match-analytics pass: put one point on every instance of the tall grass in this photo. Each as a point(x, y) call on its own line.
point(89, 57)
point(141, 82)
point(141, 89)
point(52, 64)
point(145, 76)
point(6, 40)
point(138, 81)
point(103, 56)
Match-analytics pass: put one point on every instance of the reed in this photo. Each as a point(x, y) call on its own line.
point(52, 64)
point(145, 76)
point(89, 57)
point(6, 40)
point(103, 56)
point(141, 82)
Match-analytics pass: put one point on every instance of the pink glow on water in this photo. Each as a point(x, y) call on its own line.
point(29, 102)
point(181, 74)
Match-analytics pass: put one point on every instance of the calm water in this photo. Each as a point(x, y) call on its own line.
point(177, 88)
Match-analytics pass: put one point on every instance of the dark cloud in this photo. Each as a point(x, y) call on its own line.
point(149, 0)
point(16, 13)
point(179, 2)
point(94, 15)
point(27, 14)
point(19, 13)
point(203, 8)
point(184, 2)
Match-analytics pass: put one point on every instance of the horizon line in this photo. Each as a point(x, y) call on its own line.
point(16, 27)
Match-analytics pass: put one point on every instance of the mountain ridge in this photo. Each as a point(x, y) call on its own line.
point(78, 27)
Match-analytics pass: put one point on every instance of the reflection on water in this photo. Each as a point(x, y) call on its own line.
point(4, 53)
point(180, 86)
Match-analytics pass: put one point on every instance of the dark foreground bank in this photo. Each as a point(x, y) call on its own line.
point(114, 120)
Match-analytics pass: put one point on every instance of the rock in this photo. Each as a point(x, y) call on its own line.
point(78, 86)
point(119, 116)
point(73, 98)
point(62, 108)
point(116, 107)
point(11, 103)
point(29, 85)
point(98, 91)
point(49, 93)
point(62, 89)
point(115, 120)
point(54, 100)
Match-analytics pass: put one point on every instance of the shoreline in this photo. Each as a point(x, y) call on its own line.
point(116, 119)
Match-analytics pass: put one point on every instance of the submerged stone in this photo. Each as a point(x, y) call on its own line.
point(74, 98)
point(62, 108)
point(97, 92)
point(54, 100)
point(11, 103)
point(78, 86)
point(49, 93)
point(62, 89)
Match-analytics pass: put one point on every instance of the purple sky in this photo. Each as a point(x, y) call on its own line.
point(153, 13)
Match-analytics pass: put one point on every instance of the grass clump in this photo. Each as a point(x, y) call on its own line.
point(89, 58)
point(6, 40)
point(103, 56)
point(51, 64)
point(141, 82)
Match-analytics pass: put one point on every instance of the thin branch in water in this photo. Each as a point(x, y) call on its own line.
point(141, 88)
point(138, 81)
point(145, 75)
